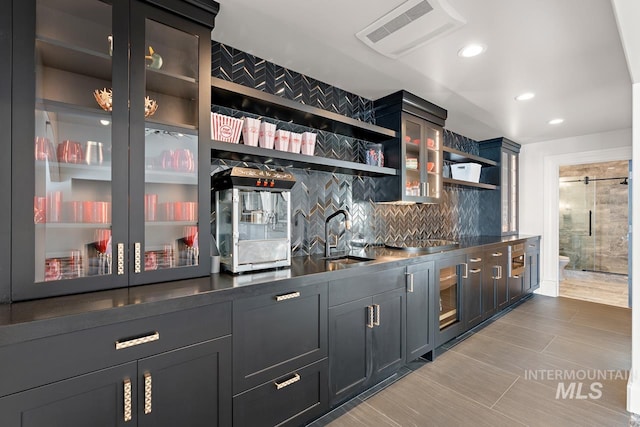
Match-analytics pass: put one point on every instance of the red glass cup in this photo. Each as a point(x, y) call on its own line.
point(73, 211)
point(150, 207)
point(54, 206)
point(190, 235)
point(70, 152)
point(44, 149)
point(39, 210)
point(183, 160)
point(88, 211)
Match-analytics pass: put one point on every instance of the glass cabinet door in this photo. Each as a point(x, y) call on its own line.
point(73, 134)
point(449, 297)
point(166, 157)
point(422, 160)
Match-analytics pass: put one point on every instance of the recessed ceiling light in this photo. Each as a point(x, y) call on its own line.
point(556, 121)
point(104, 122)
point(471, 50)
point(525, 96)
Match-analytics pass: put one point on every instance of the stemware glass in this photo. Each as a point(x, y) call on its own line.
point(103, 247)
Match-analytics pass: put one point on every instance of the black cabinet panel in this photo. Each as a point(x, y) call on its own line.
point(450, 274)
point(420, 304)
point(364, 285)
point(189, 386)
point(54, 358)
point(277, 332)
point(473, 289)
point(349, 352)
point(494, 284)
point(388, 337)
point(290, 400)
point(516, 286)
point(95, 399)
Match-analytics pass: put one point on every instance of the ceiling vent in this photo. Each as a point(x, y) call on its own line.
point(411, 25)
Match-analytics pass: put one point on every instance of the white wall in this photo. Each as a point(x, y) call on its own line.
point(539, 168)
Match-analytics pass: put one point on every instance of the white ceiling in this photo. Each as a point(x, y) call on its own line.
point(566, 51)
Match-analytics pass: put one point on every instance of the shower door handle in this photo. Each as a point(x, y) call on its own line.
point(590, 218)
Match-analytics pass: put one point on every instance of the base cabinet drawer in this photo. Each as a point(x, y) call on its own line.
point(289, 400)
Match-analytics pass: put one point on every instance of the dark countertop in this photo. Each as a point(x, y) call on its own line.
point(51, 316)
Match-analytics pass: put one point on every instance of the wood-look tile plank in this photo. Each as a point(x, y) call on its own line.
point(535, 339)
point(587, 355)
point(417, 401)
point(477, 380)
point(536, 404)
point(354, 414)
point(612, 322)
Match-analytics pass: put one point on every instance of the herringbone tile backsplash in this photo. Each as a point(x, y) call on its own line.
point(318, 194)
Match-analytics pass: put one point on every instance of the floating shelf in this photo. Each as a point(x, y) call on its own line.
point(243, 98)
point(245, 153)
point(480, 185)
point(458, 156)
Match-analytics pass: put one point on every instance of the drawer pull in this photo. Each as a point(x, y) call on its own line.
point(410, 284)
point(288, 382)
point(475, 270)
point(532, 246)
point(496, 254)
point(287, 296)
point(120, 259)
point(137, 261)
point(127, 400)
point(475, 260)
point(137, 341)
point(377, 321)
point(370, 323)
point(147, 393)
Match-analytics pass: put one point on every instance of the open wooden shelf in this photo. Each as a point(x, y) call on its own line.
point(243, 98)
point(451, 181)
point(458, 156)
point(246, 153)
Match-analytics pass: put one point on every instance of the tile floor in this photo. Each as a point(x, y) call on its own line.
point(612, 289)
point(501, 374)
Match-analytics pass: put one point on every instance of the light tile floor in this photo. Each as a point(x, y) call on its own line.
point(612, 289)
point(507, 373)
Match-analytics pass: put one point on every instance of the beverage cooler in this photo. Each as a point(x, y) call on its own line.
point(252, 211)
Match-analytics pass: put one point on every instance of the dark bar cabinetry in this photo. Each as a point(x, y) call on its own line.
point(111, 135)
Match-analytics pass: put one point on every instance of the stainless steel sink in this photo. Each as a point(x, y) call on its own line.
point(346, 261)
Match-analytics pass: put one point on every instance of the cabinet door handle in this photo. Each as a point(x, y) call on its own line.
point(466, 270)
point(137, 262)
point(475, 260)
point(376, 322)
point(147, 393)
point(127, 400)
point(287, 296)
point(499, 272)
point(288, 382)
point(496, 254)
point(410, 282)
point(370, 316)
point(475, 270)
point(532, 246)
point(120, 259)
point(137, 341)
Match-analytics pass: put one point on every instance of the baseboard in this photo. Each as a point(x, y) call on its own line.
point(548, 288)
point(633, 395)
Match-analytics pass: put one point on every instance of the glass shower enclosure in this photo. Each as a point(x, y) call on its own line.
point(594, 223)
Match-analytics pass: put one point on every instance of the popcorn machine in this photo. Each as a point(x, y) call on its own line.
point(252, 211)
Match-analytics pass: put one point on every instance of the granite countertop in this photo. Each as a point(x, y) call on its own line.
point(33, 319)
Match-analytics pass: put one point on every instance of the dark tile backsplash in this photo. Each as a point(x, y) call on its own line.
point(318, 194)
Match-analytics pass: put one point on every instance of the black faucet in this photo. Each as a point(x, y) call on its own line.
point(347, 226)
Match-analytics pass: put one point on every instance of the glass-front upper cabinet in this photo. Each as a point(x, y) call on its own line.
point(422, 155)
point(418, 154)
point(107, 192)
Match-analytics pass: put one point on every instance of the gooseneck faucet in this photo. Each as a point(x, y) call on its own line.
point(347, 226)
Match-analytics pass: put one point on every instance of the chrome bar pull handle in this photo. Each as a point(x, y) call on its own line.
point(147, 393)
point(496, 254)
point(499, 272)
point(137, 341)
point(409, 282)
point(137, 262)
point(475, 270)
point(287, 296)
point(475, 260)
point(370, 316)
point(376, 322)
point(127, 400)
point(120, 259)
point(466, 270)
point(288, 382)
